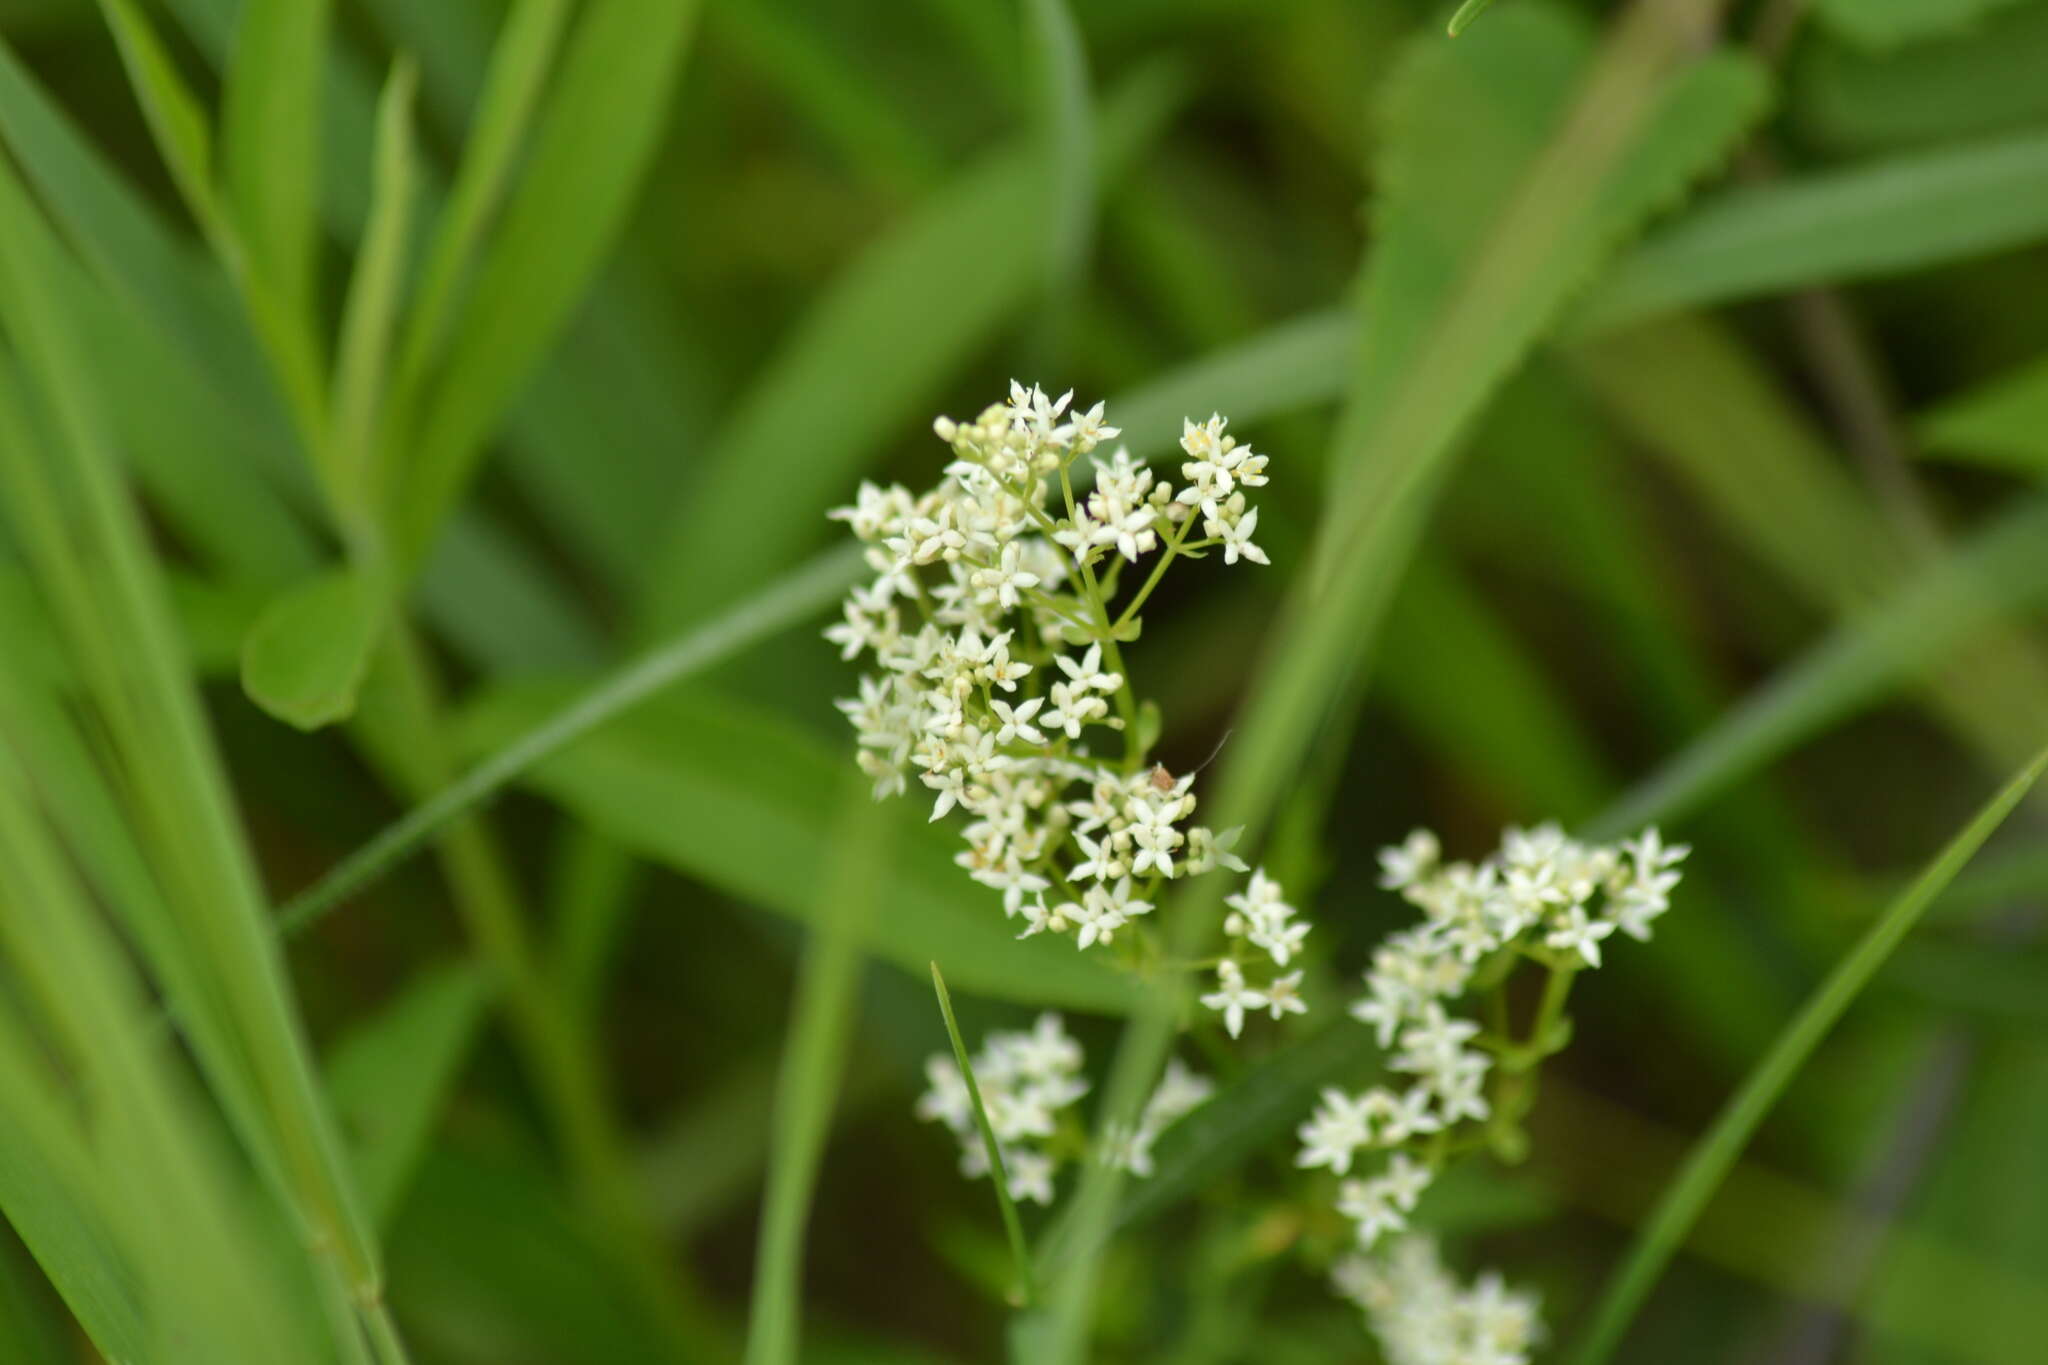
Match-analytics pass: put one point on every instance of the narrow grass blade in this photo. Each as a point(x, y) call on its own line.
point(519, 65)
point(568, 209)
point(2003, 422)
point(822, 1020)
point(997, 1174)
point(1711, 1159)
point(783, 604)
point(270, 142)
point(1884, 25)
point(362, 362)
point(1906, 213)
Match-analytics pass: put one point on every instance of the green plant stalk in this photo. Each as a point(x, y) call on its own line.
point(1013, 1228)
point(556, 1050)
point(822, 1020)
point(1658, 1239)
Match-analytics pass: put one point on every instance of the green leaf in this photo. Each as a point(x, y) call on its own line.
point(1882, 24)
point(270, 141)
point(1465, 14)
point(176, 118)
point(1300, 363)
point(306, 659)
point(374, 294)
point(1890, 217)
point(389, 1076)
point(1067, 187)
point(566, 212)
point(2003, 422)
point(1994, 578)
point(1717, 1152)
point(744, 801)
point(518, 70)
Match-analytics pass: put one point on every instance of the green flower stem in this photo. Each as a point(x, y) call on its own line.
point(1012, 1226)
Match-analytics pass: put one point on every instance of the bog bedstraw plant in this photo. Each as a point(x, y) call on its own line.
point(996, 618)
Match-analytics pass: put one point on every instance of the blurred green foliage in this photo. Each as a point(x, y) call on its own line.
point(1655, 396)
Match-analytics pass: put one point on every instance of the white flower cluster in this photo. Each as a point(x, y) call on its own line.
point(1027, 1079)
point(1423, 1316)
point(1543, 895)
point(989, 617)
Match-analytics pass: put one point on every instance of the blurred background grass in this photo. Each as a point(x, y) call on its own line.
point(1750, 543)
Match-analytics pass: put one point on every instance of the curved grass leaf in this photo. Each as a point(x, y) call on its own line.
point(1718, 1151)
point(1902, 214)
point(565, 213)
point(1975, 82)
point(2003, 422)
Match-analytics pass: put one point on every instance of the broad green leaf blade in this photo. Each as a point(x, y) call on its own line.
point(1719, 1150)
point(389, 1076)
point(306, 658)
point(1905, 213)
point(374, 294)
point(937, 287)
point(2003, 422)
point(566, 212)
point(821, 1023)
point(1994, 578)
point(270, 142)
point(1883, 24)
point(744, 801)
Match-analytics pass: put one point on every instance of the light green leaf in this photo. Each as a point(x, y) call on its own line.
point(374, 294)
point(1901, 214)
point(743, 800)
point(270, 142)
point(1658, 1239)
point(305, 660)
point(564, 215)
point(2003, 422)
point(389, 1076)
